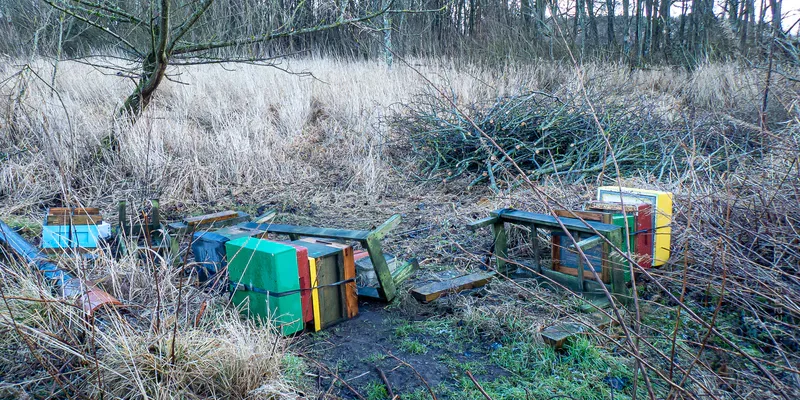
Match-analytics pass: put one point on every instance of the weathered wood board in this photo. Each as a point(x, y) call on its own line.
point(74, 219)
point(210, 218)
point(434, 290)
point(556, 335)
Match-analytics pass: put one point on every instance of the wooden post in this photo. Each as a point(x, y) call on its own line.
point(124, 227)
point(500, 245)
point(155, 216)
point(618, 285)
point(581, 286)
point(537, 261)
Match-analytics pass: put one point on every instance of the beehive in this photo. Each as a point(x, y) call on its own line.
point(566, 261)
point(328, 279)
point(304, 274)
point(643, 235)
point(661, 214)
point(264, 280)
point(65, 228)
point(209, 249)
point(349, 274)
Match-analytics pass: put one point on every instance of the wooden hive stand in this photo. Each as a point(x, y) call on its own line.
point(612, 272)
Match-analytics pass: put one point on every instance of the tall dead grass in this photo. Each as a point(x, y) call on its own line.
point(166, 342)
point(213, 132)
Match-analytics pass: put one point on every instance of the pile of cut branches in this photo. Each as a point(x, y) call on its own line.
point(544, 135)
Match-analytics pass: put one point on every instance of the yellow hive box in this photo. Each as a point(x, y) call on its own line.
point(662, 218)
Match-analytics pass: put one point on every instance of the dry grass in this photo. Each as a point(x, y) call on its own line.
point(137, 351)
point(255, 130)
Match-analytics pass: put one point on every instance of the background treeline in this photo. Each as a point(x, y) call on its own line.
point(637, 31)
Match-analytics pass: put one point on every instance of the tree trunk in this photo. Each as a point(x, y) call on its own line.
point(154, 68)
point(612, 40)
point(387, 37)
point(593, 24)
point(777, 31)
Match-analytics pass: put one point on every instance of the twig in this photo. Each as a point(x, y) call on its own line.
point(424, 382)
point(385, 382)
point(336, 377)
point(478, 385)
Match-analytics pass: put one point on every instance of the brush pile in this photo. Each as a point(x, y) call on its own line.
point(542, 133)
point(550, 135)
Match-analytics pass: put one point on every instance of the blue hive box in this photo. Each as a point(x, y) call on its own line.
point(209, 249)
point(65, 228)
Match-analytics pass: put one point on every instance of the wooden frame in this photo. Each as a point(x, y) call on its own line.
point(595, 216)
point(613, 233)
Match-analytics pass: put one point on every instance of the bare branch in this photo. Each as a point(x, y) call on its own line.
point(84, 19)
point(189, 23)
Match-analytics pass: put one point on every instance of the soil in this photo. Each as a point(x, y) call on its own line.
point(355, 348)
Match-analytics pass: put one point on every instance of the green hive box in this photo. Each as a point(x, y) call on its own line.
point(263, 276)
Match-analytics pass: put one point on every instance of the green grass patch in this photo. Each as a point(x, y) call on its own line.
point(376, 391)
point(413, 346)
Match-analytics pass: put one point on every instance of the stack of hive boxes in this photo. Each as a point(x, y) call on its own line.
point(301, 284)
point(646, 214)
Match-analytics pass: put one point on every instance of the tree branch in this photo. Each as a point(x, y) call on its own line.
point(96, 25)
point(112, 10)
point(189, 23)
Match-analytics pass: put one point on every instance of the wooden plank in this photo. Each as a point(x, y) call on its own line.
point(210, 218)
point(596, 216)
point(434, 290)
point(475, 225)
point(263, 218)
point(556, 335)
point(327, 233)
point(382, 272)
point(74, 219)
point(85, 211)
point(351, 292)
point(544, 220)
point(611, 206)
point(405, 271)
point(500, 245)
point(587, 243)
point(391, 223)
point(59, 211)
